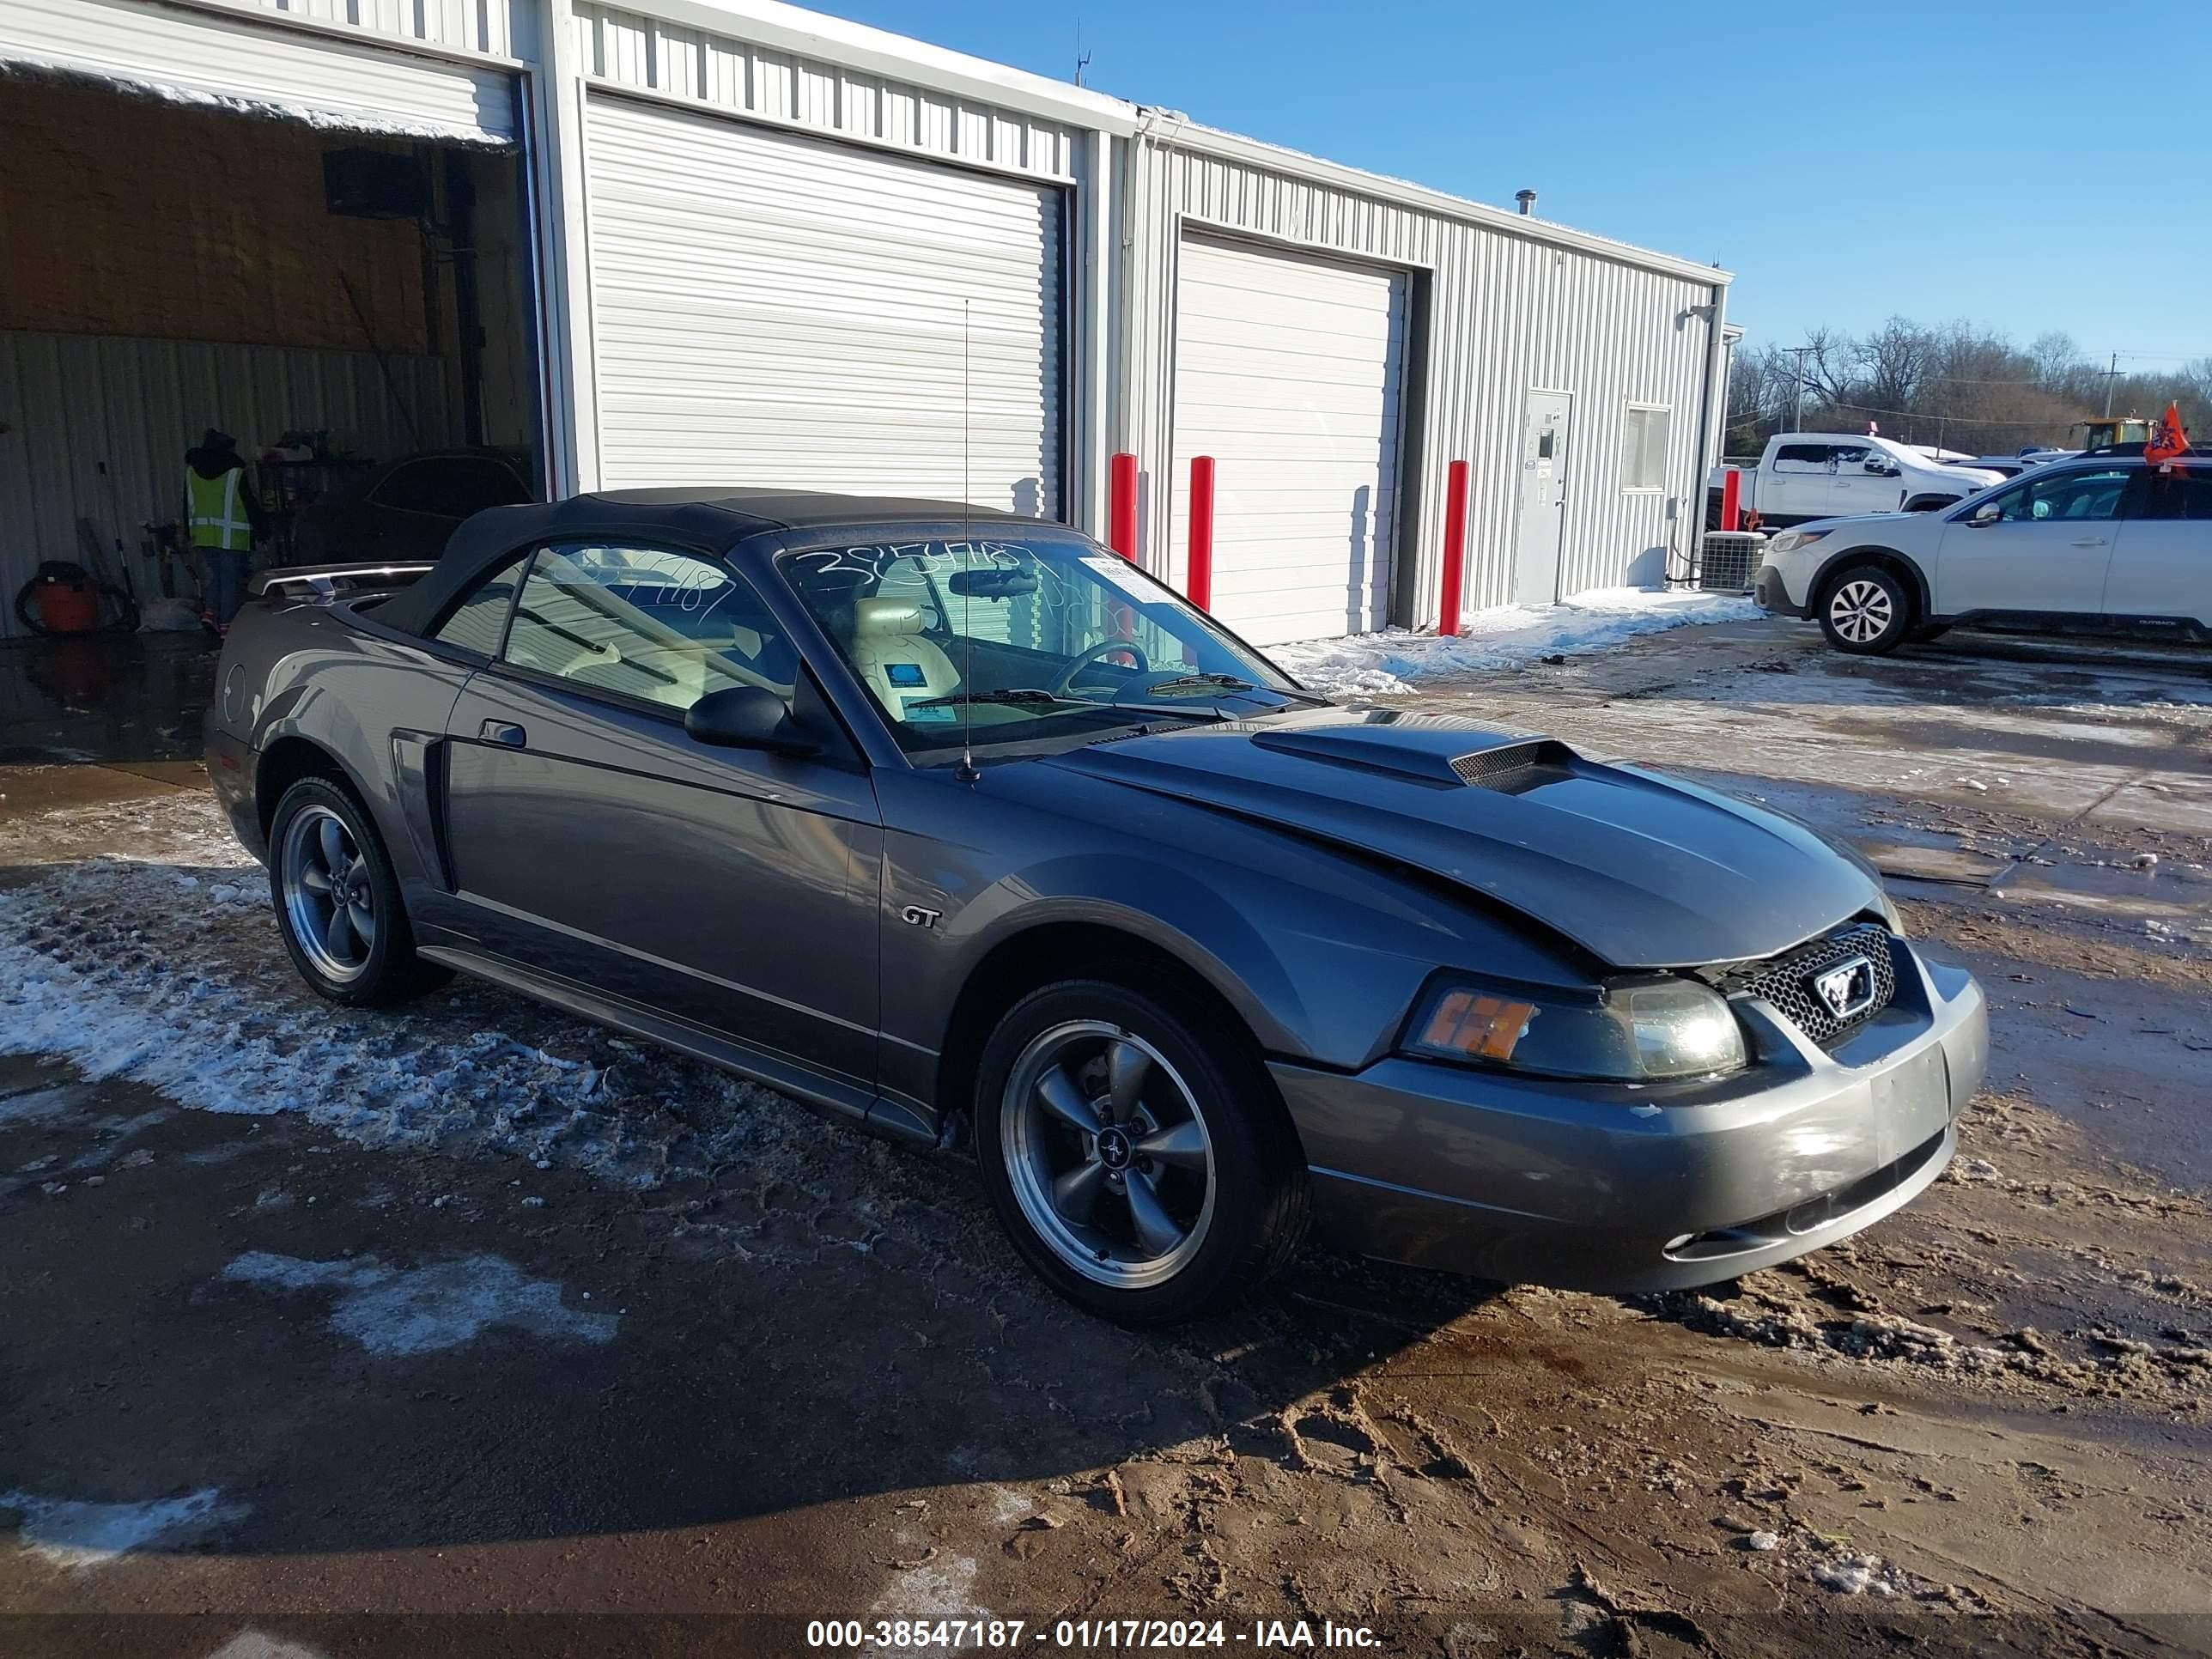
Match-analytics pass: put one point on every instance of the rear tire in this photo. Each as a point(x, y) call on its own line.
point(1866, 610)
point(337, 901)
point(1144, 1170)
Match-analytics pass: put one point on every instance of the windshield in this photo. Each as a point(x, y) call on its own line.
point(1018, 641)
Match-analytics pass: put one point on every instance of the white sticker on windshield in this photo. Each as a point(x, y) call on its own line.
point(1118, 571)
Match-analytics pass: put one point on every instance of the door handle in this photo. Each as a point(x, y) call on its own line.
point(505, 732)
point(2088, 541)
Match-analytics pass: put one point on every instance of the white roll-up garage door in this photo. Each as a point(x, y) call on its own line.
point(1288, 371)
point(206, 58)
point(770, 308)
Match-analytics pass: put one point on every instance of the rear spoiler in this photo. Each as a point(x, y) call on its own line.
point(328, 581)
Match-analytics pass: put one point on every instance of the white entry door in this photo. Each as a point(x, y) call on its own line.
point(773, 308)
point(1545, 457)
point(1288, 372)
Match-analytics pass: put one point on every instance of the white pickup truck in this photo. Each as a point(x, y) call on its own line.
point(1829, 475)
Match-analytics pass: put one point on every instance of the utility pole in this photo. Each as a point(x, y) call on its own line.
point(1797, 389)
point(2111, 375)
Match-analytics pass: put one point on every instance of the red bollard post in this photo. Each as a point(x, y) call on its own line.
point(1197, 588)
point(1731, 498)
point(1454, 548)
point(1121, 508)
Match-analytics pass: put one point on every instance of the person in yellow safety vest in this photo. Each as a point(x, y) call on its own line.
point(222, 515)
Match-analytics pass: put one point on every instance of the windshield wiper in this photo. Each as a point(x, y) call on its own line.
point(1011, 695)
point(1205, 681)
point(1230, 683)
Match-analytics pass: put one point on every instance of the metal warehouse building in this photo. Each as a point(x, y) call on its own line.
point(730, 241)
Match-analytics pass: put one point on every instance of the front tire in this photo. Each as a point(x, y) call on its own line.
point(1144, 1171)
point(1866, 612)
point(337, 901)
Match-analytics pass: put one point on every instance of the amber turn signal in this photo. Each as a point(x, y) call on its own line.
point(1474, 1023)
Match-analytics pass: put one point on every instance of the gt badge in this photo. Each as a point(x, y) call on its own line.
point(915, 916)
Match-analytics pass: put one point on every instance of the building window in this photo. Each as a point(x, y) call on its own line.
point(1644, 448)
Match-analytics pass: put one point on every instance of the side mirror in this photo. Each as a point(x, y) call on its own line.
point(1881, 467)
point(747, 717)
point(1986, 515)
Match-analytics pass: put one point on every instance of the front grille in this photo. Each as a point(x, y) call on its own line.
point(1789, 981)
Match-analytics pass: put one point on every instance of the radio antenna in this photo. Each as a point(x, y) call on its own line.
point(968, 772)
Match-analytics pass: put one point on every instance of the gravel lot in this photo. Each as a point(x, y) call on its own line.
point(477, 1329)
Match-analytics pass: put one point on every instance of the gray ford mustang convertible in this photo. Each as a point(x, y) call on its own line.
point(958, 825)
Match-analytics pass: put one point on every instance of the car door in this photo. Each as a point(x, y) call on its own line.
point(2041, 547)
point(591, 837)
point(2162, 558)
point(1802, 482)
point(1853, 489)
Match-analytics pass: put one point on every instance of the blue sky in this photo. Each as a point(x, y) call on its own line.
point(1848, 160)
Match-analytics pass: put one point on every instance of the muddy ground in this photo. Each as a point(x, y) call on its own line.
point(476, 1329)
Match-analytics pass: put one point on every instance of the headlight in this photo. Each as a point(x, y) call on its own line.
point(1791, 540)
point(1890, 915)
point(1656, 1031)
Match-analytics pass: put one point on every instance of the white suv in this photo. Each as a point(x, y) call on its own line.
point(2107, 543)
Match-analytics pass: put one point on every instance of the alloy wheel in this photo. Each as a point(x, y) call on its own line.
point(1862, 611)
point(1108, 1154)
point(329, 899)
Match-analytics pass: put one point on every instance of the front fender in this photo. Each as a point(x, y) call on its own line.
point(1138, 896)
point(1322, 954)
point(1835, 562)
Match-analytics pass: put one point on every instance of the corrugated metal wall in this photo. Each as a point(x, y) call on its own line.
point(72, 402)
point(485, 25)
point(199, 55)
point(1503, 312)
point(630, 50)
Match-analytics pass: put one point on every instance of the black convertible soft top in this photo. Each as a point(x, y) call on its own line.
point(705, 519)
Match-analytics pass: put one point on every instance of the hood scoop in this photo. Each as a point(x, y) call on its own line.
point(1507, 763)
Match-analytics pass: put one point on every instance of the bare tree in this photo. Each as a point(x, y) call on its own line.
point(1958, 385)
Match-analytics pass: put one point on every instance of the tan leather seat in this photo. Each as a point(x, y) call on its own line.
point(892, 657)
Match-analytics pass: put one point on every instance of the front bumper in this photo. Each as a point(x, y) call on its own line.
point(1773, 593)
point(1536, 1182)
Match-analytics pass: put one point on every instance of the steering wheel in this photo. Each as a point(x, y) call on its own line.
point(1083, 659)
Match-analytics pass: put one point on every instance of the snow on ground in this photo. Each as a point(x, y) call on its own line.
point(74, 1535)
point(1507, 636)
point(446, 1305)
point(164, 967)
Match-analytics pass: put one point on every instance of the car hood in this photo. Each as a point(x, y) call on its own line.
point(1642, 871)
point(1842, 518)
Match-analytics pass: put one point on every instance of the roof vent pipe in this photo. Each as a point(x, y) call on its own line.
point(1527, 198)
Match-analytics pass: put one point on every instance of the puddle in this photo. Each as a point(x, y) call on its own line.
point(2129, 1063)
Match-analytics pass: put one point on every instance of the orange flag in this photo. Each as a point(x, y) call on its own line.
point(2170, 441)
